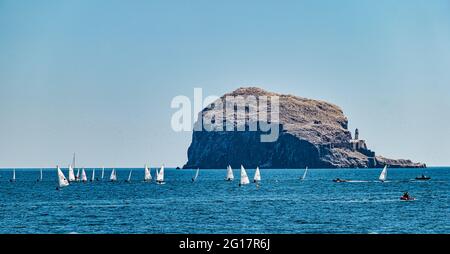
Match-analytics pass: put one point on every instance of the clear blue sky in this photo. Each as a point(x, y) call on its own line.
point(97, 77)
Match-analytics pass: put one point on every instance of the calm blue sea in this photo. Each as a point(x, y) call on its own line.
point(281, 204)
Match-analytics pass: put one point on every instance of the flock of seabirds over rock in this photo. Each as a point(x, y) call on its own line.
point(311, 133)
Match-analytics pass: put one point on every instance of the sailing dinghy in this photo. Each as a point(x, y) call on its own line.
point(93, 175)
point(160, 176)
point(244, 177)
point(230, 176)
point(62, 181)
point(147, 174)
point(383, 175)
point(113, 176)
point(257, 177)
point(304, 174)
point(196, 175)
point(129, 177)
point(83, 176)
point(13, 179)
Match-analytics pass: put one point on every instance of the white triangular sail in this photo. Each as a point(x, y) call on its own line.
point(230, 176)
point(103, 172)
point(113, 176)
point(62, 181)
point(40, 176)
point(93, 175)
point(71, 174)
point(196, 175)
point(14, 175)
point(83, 175)
point(129, 176)
point(304, 174)
point(78, 175)
point(147, 174)
point(383, 175)
point(160, 176)
point(257, 175)
point(244, 176)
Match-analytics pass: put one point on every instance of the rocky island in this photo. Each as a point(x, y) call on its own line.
point(312, 134)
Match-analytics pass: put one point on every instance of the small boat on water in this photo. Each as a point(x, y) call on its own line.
point(160, 176)
point(40, 176)
point(103, 173)
point(62, 181)
point(13, 179)
point(77, 177)
point(257, 177)
point(129, 177)
point(71, 174)
point(147, 174)
point(406, 197)
point(304, 174)
point(83, 176)
point(383, 175)
point(338, 180)
point(113, 176)
point(93, 175)
point(230, 176)
point(244, 177)
point(423, 178)
point(196, 175)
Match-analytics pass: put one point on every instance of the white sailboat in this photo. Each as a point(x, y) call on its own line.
point(83, 176)
point(160, 176)
point(93, 175)
point(383, 175)
point(147, 174)
point(230, 176)
point(244, 177)
point(257, 177)
point(113, 176)
point(196, 175)
point(129, 177)
point(62, 181)
point(304, 174)
point(71, 174)
point(40, 176)
point(13, 179)
point(103, 172)
point(77, 177)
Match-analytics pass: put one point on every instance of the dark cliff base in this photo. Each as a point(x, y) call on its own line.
point(312, 134)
